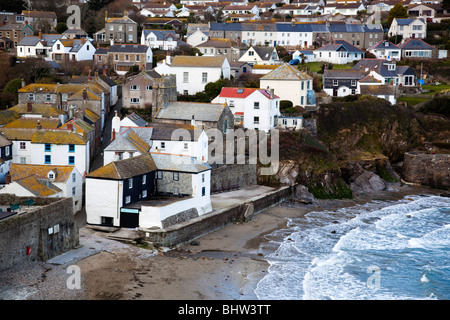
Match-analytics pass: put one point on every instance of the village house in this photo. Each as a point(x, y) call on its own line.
point(139, 138)
point(37, 46)
point(31, 180)
point(290, 123)
point(86, 130)
point(38, 19)
point(386, 50)
point(46, 146)
point(430, 11)
point(408, 28)
point(120, 29)
point(260, 55)
point(73, 33)
point(122, 57)
point(159, 39)
point(339, 83)
point(197, 33)
point(255, 109)
point(201, 115)
point(387, 71)
point(417, 48)
point(72, 50)
point(194, 72)
point(338, 52)
point(148, 191)
point(222, 47)
point(15, 32)
point(148, 89)
point(102, 80)
point(5, 157)
point(290, 84)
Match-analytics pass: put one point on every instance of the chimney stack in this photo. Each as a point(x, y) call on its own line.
point(113, 135)
point(84, 94)
point(106, 15)
point(40, 34)
point(193, 121)
point(70, 126)
point(8, 179)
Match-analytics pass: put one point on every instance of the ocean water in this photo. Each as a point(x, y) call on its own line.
point(382, 250)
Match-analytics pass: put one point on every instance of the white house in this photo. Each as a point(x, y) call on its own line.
point(255, 109)
point(37, 46)
point(194, 72)
point(260, 55)
point(159, 39)
point(168, 138)
point(386, 50)
point(290, 123)
point(30, 180)
point(197, 37)
point(290, 84)
point(72, 50)
point(338, 52)
point(307, 55)
point(148, 191)
point(408, 28)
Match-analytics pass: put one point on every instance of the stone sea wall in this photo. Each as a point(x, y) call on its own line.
point(427, 169)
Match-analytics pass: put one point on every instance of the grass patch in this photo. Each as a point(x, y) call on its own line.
point(347, 66)
point(435, 89)
point(412, 101)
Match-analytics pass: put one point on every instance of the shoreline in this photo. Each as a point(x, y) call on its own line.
point(226, 264)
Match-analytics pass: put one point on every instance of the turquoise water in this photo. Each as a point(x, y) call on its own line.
point(378, 251)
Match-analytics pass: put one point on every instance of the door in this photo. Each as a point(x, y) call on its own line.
point(335, 92)
point(129, 218)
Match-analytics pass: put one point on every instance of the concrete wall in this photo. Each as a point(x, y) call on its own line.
point(202, 225)
point(233, 175)
point(31, 229)
point(427, 169)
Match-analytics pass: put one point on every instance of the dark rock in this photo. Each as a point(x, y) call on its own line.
point(368, 182)
point(303, 195)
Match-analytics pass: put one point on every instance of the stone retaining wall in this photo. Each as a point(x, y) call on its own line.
point(196, 227)
point(40, 234)
point(427, 169)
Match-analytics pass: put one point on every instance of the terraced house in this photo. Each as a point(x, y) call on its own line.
point(124, 56)
point(120, 29)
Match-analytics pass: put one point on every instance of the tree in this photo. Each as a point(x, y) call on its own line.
point(212, 89)
point(397, 11)
point(61, 27)
point(13, 5)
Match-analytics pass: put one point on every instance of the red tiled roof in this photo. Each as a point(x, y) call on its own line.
point(233, 92)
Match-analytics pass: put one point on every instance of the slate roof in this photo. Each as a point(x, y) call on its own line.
point(128, 141)
point(178, 163)
point(39, 187)
point(131, 48)
point(343, 74)
point(124, 169)
point(160, 34)
point(20, 171)
point(337, 44)
point(286, 72)
point(416, 44)
point(137, 120)
point(265, 53)
point(57, 137)
point(382, 45)
point(406, 22)
point(179, 110)
point(198, 61)
point(218, 43)
point(4, 141)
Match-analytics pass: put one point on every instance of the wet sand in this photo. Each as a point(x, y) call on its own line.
point(226, 264)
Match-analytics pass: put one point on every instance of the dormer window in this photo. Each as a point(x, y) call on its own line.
point(386, 44)
point(391, 67)
point(51, 175)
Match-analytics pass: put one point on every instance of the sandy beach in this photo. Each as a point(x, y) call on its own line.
point(223, 265)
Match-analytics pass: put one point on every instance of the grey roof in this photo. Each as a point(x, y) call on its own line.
point(225, 26)
point(28, 41)
point(169, 162)
point(382, 45)
point(128, 141)
point(165, 131)
point(416, 44)
point(378, 65)
point(405, 22)
point(344, 74)
point(405, 70)
point(179, 110)
point(110, 82)
point(160, 34)
point(337, 45)
point(101, 51)
point(137, 120)
point(133, 48)
point(265, 53)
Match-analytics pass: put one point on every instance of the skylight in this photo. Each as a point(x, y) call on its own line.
point(240, 91)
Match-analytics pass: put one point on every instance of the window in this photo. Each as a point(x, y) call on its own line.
point(23, 160)
point(203, 177)
point(116, 57)
point(107, 221)
point(163, 145)
point(353, 82)
point(353, 91)
point(48, 147)
point(71, 160)
point(7, 151)
point(251, 53)
point(31, 96)
point(159, 175)
point(134, 100)
point(256, 120)
point(256, 105)
point(138, 58)
point(148, 88)
point(185, 77)
point(335, 82)
point(203, 191)
point(74, 177)
point(22, 146)
point(204, 77)
point(134, 87)
point(186, 146)
point(74, 191)
point(176, 176)
point(48, 159)
point(127, 57)
point(130, 183)
point(144, 194)
point(127, 199)
point(71, 148)
point(144, 179)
